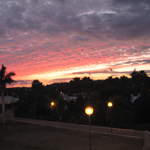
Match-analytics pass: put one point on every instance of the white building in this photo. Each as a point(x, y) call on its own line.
point(9, 102)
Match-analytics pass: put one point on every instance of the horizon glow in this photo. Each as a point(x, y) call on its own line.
point(57, 40)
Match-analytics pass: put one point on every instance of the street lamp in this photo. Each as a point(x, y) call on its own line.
point(110, 106)
point(53, 108)
point(52, 104)
point(89, 110)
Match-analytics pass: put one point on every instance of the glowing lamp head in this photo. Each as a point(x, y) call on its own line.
point(110, 104)
point(89, 110)
point(52, 104)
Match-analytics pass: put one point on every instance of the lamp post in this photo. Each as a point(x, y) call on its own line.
point(53, 107)
point(89, 110)
point(110, 106)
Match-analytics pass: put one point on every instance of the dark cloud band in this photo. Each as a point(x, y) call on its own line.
point(95, 18)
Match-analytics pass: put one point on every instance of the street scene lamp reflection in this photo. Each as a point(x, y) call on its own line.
point(89, 110)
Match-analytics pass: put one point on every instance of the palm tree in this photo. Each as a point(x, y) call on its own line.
point(5, 78)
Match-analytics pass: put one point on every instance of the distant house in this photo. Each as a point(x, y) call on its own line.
point(134, 98)
point(68, 98)
point(9, 105)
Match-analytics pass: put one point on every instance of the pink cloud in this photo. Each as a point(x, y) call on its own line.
point(37, 53)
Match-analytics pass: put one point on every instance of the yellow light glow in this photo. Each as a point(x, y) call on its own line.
point(52, 104)
point(89, 110)
point(110, 104)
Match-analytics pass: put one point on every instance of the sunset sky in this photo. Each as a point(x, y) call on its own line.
point(57, 40)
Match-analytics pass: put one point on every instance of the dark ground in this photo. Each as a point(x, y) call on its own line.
point(19, 136)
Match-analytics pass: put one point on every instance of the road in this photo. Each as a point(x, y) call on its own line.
point(78, 127)
point(32, 136)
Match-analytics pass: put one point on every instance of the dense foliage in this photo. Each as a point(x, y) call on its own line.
point(130, 96)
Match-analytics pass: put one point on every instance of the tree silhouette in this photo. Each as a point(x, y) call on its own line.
point(36, 97)
point(5, 78)
point(139, 80)
point(138, 75)
point(36, 84)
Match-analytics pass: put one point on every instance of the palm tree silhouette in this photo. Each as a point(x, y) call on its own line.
point(5, 78)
